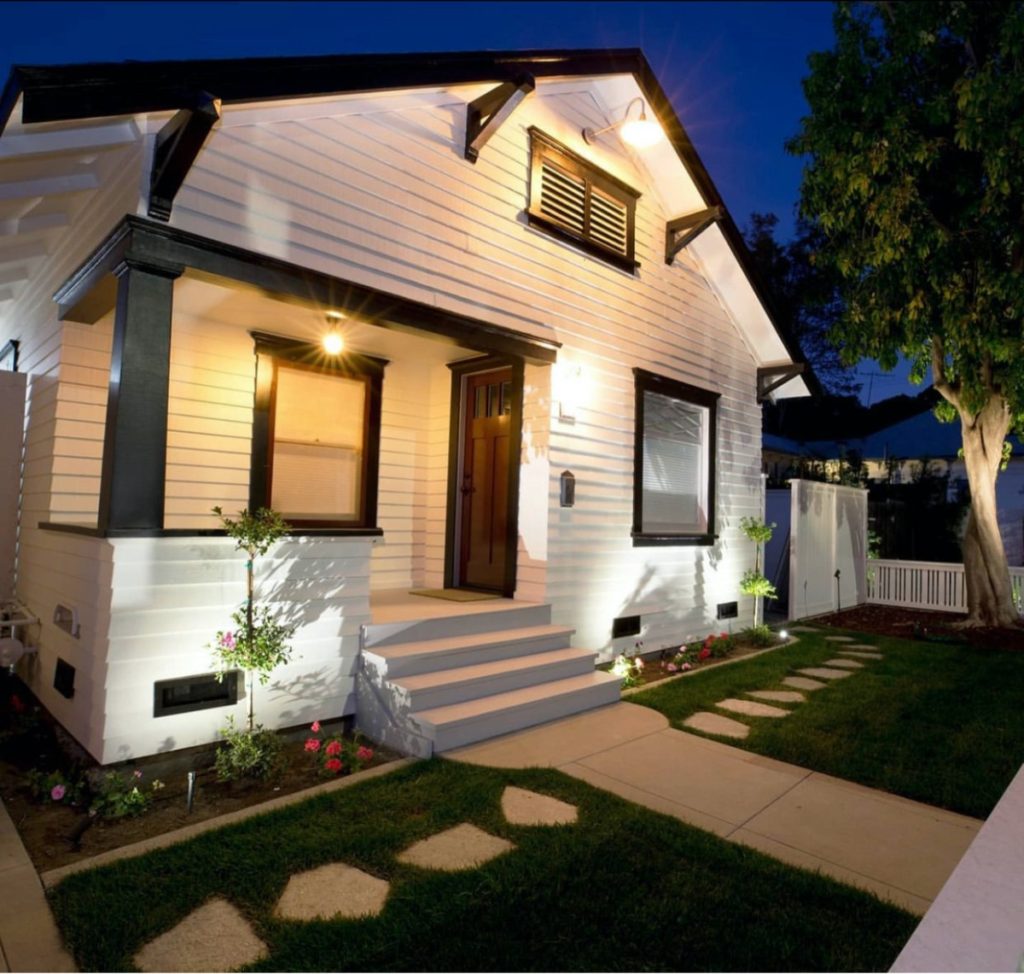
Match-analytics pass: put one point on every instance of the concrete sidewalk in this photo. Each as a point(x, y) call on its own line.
point(901, 850)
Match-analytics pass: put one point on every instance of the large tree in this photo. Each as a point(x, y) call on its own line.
point(915, 177)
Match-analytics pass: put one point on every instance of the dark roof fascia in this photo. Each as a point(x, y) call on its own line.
point(65, 92)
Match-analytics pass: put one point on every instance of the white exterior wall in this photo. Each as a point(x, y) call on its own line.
point(380, 194)
point(12, 417)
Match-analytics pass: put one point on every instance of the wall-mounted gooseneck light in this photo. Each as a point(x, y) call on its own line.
point(639, 132)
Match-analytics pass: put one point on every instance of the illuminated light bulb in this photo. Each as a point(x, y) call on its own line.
point(783, 634)
point(641, 132)
point(333, 343)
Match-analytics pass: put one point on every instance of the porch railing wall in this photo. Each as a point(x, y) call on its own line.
point(925, 584)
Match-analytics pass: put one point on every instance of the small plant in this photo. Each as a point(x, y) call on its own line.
point(57, 787)
point(258, 643)
point(760, 635)
point(246, 753)
point(695, 651)
point(753, 582)
point(117, 795)
point(629, 667)
point(336, 754)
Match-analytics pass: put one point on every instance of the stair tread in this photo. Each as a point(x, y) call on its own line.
point(451, 643)
point(461, 674)
point(470, 709)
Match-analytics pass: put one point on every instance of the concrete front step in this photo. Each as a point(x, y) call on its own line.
point(506, 614)
point(477, 720)
point(445, 687)
point(452, 652)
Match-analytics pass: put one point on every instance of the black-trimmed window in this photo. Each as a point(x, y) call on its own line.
point(674, 462)
point(316, 435)
point(574, 200)
point(9, 356)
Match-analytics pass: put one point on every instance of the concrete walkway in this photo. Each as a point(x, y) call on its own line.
point(902, 851)
point(29, 940)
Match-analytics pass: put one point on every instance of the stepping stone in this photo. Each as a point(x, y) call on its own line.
point(717, 724)
point(869, 646)
point(825, 673)
point(216, 937)
point(462, 847)
point(751, 708)
point(335, 890)
point(782, 696)
point(802, 683)
point(522, 807)
point(839, 639)
point(860, 655)
point(846, 664)
point(803, 629)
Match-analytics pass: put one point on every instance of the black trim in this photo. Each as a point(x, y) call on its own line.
point(459, 370)
point(132, 483)
point(486, 114)
point(228, 695)
point(645, 381)
point(544, 148)
point(11, 348)
point(156, 243)
point(88, 531)
point(177, 146)
point(683, 231)
point(269, 350)
point(64, 678)
point(53, 93)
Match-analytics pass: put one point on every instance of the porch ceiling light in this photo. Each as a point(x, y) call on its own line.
point(638, 132)
point(332, 341)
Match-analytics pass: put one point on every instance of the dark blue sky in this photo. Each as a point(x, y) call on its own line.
point(732, 69)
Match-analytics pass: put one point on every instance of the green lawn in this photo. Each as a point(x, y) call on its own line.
point(622, 889)
point(938, 723)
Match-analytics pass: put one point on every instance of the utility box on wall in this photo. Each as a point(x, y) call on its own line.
point(12, 426)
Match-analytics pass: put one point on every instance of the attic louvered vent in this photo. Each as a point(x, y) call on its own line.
point(573, 199)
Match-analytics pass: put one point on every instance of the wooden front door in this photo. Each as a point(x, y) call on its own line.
point(486, 453)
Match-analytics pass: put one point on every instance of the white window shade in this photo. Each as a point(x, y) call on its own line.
point(318, 445)
point(675, 466)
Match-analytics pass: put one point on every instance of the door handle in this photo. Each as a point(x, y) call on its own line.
point(467, 487)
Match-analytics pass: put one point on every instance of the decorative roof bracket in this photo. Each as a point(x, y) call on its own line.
point(486, 114)
point(177, 146)
point(771, 377)
point(679, 233)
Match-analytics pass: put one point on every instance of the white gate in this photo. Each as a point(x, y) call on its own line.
point(827, 533)
point(925, 584)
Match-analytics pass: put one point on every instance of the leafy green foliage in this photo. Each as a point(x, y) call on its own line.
point(254, 532)
point(759, 635)
point(119, 795)
point(754, 583)
point(248, 753)
point(257, 646)
point(66, 787)
point(756, 530)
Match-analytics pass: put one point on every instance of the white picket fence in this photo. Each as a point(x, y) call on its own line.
point(925, 584)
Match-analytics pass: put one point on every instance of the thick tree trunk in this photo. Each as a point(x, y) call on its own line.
point(989, 595)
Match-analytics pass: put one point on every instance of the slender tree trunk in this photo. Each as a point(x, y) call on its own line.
point(987, 576)
point(249, 633)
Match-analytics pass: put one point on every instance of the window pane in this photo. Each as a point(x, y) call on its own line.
point(318, 445)
point(674, 466)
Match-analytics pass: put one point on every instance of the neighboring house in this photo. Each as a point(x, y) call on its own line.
point(549, 388)
point(897, 454)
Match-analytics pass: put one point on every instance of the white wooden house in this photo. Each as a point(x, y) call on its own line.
point(524, 310)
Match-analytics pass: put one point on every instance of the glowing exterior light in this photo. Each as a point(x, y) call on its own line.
point(333, 343)
point(783, 634)
point(638, 132)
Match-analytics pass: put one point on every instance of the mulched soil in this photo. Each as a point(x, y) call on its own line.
point(887, 620)
point(57, 834)
point(654, 670)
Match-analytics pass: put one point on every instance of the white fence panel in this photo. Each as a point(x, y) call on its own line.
point(12, 422)
point(934, 585)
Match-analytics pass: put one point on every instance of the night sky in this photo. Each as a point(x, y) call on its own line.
point(732, 70)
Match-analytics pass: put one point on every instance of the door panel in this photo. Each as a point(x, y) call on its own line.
point(485, 471)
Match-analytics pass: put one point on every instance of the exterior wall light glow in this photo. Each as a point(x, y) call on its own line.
point(639, 132)
point(332, 341)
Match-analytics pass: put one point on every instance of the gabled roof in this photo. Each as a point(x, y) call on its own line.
point(68, 92)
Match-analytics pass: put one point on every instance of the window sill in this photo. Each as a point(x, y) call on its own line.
point(641, 540)
point(299, 531)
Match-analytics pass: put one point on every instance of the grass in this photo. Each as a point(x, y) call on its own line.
point(622, 889)
point(942, 724)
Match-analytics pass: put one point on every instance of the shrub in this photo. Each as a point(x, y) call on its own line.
point(248, 754)
point(336, 755)
point(56, 786)
point(117, 795)
point(760, 635)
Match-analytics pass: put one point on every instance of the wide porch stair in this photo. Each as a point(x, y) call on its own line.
point(435, 675)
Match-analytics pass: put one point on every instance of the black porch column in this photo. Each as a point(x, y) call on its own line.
point(135, 443)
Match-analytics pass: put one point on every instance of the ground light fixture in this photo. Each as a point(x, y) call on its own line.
point(332, 341)
point(639, 132)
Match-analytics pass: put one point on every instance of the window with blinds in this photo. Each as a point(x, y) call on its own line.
point(573, 199)
point(674, 474)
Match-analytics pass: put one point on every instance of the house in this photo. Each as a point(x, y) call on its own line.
point(552, 355)
point(899, 453)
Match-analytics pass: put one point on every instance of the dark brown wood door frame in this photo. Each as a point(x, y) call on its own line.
point(459, 371)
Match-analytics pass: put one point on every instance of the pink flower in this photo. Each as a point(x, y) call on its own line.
point(333, 748)
point(58, 792)
point(685, 667)
point(723, 635)
point(638, 663)
point(315, 727)
point(227, 640)
point(672, 668)
point(333, 764)
point(364, 753)
point(136, 774)
point(312, 744)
